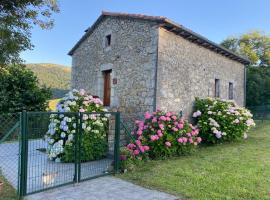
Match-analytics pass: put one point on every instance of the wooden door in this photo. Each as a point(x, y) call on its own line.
point(107, 88)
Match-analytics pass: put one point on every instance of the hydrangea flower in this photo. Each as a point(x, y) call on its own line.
point(168, 144)
point(63, 135)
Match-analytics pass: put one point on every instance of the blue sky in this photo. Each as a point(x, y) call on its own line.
point(214, 19)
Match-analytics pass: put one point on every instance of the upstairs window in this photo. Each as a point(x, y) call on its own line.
point(108, 40)
point(217, 88)
point(230, 90)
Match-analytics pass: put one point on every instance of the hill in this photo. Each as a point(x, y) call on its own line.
point(57, 77)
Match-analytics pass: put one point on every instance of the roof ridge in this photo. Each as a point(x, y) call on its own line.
point(108, 13)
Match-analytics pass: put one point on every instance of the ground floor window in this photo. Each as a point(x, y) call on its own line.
point(217, 88)
point(230, 90)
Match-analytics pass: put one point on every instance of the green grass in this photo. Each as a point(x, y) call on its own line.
point(52, 104)
point(7, 192)
point(228, 171)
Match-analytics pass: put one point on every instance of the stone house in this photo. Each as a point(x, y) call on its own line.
point(139, 63)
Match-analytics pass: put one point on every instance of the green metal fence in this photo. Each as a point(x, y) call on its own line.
point(10, 147)
point(88, 155)
point(260, 112)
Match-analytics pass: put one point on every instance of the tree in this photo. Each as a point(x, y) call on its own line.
point(19, 90)
point(17, 18)
point(254, 45)
point(258, 84)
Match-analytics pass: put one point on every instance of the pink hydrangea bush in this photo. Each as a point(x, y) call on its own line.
point(163, 134)
point(222, 120)
point(129, 162)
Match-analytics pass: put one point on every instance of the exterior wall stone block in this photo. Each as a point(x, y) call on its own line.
point(186, 70)
point(132, 58)
point(139, 49)
point(111, 136)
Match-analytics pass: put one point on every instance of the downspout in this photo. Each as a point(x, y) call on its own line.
point(156, 71)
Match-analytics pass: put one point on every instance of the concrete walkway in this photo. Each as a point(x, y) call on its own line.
point(38, 164)
point(104, 188)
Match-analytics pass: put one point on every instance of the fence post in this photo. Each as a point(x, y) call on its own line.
point(23, 156)
point(79, 146)
point(76, 149)
point(116, 142)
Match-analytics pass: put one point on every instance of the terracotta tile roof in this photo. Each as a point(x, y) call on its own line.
point(140, 16)
point(170, 26)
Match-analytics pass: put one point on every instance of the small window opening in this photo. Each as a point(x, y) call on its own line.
point(217, 88)
point(230, 90)
point(108, 40)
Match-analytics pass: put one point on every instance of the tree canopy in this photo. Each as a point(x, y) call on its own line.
point(19, 90)
point(254, 45)
point(17, 18)
point(258, 86)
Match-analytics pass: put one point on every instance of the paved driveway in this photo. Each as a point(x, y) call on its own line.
point(104, 188)
point(9, 155)
point(39, 166)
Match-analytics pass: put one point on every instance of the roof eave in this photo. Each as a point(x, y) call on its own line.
point(86, 34)
point(199, 39)
point(89, 30)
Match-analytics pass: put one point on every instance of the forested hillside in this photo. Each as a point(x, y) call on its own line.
point(57, 77)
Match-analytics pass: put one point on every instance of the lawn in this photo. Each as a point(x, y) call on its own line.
point(53, 103)
point(7, 192)
point(227, 171)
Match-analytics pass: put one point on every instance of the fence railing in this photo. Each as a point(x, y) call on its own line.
point(260, 112)
point(127, 130)
point(9, 129)
point(52, 149)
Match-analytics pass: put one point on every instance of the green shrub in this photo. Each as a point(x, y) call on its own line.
point(19, 90)
point(221, 120)
point(128, 161)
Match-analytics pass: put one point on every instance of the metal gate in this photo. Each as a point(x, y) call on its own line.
point(91, 153)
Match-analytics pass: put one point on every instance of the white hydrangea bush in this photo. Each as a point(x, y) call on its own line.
point(62, 130)
point(222, 120)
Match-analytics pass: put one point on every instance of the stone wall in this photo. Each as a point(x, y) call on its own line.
point(132, 58)
point(124, 139)
point(186, 70)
